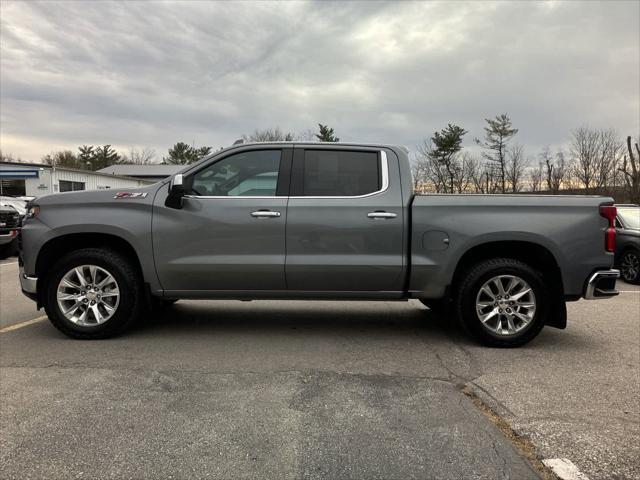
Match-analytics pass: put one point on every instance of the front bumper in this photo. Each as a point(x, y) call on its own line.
point(28, 284)
point(602, 284)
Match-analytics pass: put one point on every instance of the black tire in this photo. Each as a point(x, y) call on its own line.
point(469, 288)
point(130, 283)
point(630, 266)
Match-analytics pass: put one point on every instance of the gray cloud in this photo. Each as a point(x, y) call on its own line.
point(151, 74)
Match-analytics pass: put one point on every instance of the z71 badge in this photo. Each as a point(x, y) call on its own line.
point(130, 195)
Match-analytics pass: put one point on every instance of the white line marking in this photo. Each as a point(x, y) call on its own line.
point(12, 263)
point(629, 291)
point(16, 326)
point(565, 469)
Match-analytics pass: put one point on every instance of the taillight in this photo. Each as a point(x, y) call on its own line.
point(609, 212)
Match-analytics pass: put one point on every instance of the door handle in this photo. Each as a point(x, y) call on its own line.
point(384, 215)
point(265, 214)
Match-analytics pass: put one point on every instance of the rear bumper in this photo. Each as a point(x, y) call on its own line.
point(7, 236)
point(602, 284)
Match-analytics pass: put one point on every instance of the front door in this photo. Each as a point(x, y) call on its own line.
point(344, 221)
point(230, 232)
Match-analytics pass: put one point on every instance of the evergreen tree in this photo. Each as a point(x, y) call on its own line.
point(104, 157)
point(326, 134)
point(85, 157)
point(498, 132)
point(182, 154)
point(445, 144)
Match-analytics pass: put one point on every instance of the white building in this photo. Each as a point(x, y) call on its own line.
point(151, 172)
point(36, 179)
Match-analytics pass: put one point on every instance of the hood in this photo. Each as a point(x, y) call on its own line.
point(628, 232)
point(145, 194)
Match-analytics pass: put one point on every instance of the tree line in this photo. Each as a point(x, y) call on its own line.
point(92, 157)
point(597, 161)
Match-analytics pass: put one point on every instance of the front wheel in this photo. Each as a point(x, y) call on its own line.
point(630, 267)
point(502, 302)
point(93, 293)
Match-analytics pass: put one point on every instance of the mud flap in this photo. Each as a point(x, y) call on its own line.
point(558, 315)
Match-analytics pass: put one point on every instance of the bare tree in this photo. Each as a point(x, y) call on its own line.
point(555, 171)
point(62, 158)
point(268, 135)
point(463, 180)
point(559, 174)
point(515, 167)
point(546, 159)
point(536, 178)
point(482, 176)
point(307, 135)
point(631, 172)
point(584, 149)
point(419, 169)
point(9, 157)
point(609, 156)
point(432, 174)
point(596, 155)
point(139, 157)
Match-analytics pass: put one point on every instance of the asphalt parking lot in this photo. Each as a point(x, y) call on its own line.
point(273, 389)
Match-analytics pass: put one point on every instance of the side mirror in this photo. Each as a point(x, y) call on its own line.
point(176, 192)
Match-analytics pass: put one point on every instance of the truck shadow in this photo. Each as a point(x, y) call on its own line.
point(312, 318)
point(354, 321)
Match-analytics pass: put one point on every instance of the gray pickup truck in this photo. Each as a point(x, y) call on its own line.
point(315, 221)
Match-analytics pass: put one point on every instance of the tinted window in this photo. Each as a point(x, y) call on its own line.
point(340, 174)
point(246, 174)
point(69, 186)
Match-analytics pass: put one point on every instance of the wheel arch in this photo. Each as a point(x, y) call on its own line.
point(534, 254)
point(59, 246)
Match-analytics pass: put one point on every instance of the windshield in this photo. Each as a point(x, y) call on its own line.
point(630, 217)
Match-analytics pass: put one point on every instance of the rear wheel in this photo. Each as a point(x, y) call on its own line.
point(502, 302)
point(630, 266)
point(93, 293)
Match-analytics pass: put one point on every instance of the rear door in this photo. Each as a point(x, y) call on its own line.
point(344, 221)
point(230, 233)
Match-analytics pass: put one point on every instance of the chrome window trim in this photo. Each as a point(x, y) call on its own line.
point(384, 170)
point(207, 197)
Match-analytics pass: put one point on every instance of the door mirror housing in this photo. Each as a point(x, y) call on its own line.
point(176, 192)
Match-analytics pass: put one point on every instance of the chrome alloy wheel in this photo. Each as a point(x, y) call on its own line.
point(505, 304)
point(88, 295)
point(630, 266)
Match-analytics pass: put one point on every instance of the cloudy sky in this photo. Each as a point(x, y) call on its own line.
point(149, 74)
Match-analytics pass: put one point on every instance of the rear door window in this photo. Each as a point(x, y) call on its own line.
point(340, 173)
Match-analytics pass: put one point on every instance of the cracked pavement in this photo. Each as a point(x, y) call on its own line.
point(273, 389)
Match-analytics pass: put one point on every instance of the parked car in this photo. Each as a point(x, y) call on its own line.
point(315, 221)
point(9, 226)
point(17, 203)
point(628, 242)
